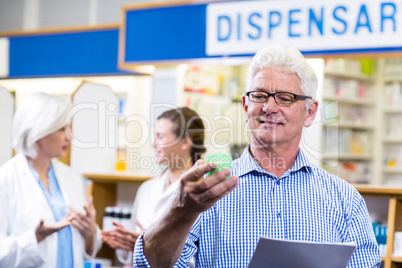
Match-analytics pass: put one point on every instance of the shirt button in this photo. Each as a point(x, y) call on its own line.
point(278, 214)
point(278, 182)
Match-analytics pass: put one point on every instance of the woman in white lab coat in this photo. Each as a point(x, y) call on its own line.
point(45, 218)
point(178, 144)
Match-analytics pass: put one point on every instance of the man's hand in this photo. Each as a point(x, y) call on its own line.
point(42, 230)
point(86, 224)
point(164, 241)
point(121, 238)
point(197, 193)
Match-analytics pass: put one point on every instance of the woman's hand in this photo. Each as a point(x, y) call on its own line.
point(86, 224)
point(42, 230)
point(121, 238)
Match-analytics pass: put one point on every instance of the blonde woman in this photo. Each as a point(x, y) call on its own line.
point(46, 220)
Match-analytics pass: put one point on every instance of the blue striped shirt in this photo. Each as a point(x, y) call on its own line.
point(306, 203)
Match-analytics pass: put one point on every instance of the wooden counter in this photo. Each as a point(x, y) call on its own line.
point(117, 177)
point(379, 190)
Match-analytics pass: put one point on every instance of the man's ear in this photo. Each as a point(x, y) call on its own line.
point(245, 107)
point(311, 113)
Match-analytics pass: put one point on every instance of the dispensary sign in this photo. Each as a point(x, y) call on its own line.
point(245, 27)
point(185, 31)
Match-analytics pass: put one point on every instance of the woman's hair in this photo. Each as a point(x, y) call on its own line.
point(287, 59)
point(187, 124)
point(38, 115)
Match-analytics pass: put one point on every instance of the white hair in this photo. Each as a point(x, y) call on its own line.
point(287, 59)
point(38, 115)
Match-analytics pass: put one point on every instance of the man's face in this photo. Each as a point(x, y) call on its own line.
point(271, 124)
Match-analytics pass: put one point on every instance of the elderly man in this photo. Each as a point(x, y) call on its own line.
point(274, 191)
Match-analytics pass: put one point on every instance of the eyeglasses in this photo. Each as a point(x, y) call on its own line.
point(281, 98)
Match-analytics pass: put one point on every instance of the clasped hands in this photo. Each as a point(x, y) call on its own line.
point(84, 222)
point(120, 237)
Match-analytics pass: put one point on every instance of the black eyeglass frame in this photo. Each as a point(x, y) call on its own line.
point(295, 97)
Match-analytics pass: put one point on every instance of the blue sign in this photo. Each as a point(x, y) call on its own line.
point(310, 26)
point(65, 54)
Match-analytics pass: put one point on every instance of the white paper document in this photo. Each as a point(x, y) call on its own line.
point(277, 253)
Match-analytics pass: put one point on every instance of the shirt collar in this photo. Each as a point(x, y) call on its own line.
point(50, 172)
point(301, 162)
point(246, 164)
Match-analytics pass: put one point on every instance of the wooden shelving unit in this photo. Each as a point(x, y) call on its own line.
point(104, 192)
point(394, 218)
point(104, 189)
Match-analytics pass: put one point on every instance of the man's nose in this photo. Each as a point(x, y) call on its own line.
point(270, 105)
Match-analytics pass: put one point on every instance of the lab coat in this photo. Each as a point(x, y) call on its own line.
point(23, 204)
point(150, 203)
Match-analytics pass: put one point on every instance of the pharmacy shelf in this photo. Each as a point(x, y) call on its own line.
point(360, 102)
point(396, 79)
point(392, 137)
point(348, 157)
point(392, 170)
point(392, 111)
point(343, 74)
point(348, 126)
point(393, 141)
point(351, 102)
